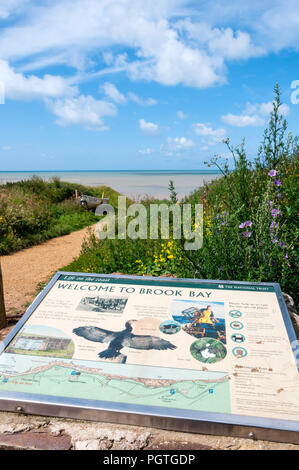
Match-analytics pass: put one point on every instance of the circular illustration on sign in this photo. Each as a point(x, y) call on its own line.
point(169, 327)
point(239, 352)
point(208, 350)
point(236, 325)
point(235, 313)
point(238, 338)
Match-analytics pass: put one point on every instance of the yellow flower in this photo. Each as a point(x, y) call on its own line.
point(170, 256)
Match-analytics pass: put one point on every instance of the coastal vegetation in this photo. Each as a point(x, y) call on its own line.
point(250, 222)
point(33, 211)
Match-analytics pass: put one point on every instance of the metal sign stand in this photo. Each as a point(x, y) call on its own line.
point(2, 306)
point(61, 399)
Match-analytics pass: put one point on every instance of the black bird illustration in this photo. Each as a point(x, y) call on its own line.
point(120, 339)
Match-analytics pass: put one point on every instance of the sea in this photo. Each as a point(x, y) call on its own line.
point(136, 184)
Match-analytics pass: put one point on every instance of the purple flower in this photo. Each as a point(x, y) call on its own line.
point(277, 182)
point(273, 225)
point(247, 234)
point(275, 212)
point(286, 256)
point(272, 173)
point(279, 195)
point(275, 240)
point(247, 223)
point(220, 268)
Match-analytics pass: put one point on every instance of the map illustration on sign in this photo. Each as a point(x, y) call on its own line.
point(155, 346)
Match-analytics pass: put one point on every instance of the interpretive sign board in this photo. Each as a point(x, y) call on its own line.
point(193, 355)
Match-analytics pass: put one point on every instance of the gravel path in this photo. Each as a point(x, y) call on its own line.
point(22, 271)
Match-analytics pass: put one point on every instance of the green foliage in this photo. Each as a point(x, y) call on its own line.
point(33, 211)
point(250, 222)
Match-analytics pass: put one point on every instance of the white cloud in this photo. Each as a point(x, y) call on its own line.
point(179, 143)
point(6, 148)
point(170, 53)
point(254, 115)
point(210, 136)
point(176, 146)
point(9, 7)
point(182, 115)
point(243, 120)
point(27, 87)
point(224, 42)
point(163, 49)
point(267, 108)
point(112, 92)
point(83, 110)
point(149, 127)
point(160, 41)
point(147, 151)
point(141, 101)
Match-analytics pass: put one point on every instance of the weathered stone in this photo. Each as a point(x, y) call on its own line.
point(94, 444)
point(19, 431)
point(157, 444)
point(35, 441)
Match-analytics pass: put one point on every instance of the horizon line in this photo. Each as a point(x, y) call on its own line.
point(104, 171)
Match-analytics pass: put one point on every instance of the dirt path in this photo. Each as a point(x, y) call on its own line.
point(22, 271)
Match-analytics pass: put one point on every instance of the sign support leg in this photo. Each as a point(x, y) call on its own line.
point(2, 306)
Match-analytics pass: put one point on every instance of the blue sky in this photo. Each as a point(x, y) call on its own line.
point(127, 84)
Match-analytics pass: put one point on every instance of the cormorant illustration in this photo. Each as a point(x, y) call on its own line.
point(121, 339)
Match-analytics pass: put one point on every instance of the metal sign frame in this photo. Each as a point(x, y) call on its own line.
point(146, 415)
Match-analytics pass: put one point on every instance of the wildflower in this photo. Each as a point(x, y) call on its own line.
point(220, 268)
point(170, 256)
point(247, 234)
point(279, 195)
point(248, 223)
point(277, 182)
point(275, 212)
point(272, 173)
point(286, 256)
point(275, 240)
point(273, 225)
